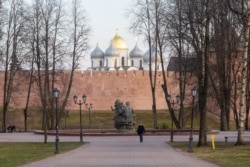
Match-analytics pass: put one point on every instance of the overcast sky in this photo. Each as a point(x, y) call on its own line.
point(105, 17)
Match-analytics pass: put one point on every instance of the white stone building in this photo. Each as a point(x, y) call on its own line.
point(118, 57)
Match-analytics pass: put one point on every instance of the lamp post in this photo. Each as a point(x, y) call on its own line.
point(89, 107)
point(56, 95)
point(172, 123)
point(84, 97)
point(190, 149)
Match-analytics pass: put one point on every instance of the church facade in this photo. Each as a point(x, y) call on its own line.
point(118, 57)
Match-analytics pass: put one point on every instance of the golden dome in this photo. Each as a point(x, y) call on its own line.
point(118, 42)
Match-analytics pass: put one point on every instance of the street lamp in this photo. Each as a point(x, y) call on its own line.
point(89, 106)
point(84, 97)
point(172, 103)
point(190, 149)
point(56, 95)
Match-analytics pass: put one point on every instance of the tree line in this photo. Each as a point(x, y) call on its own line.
point(213, 33)
point(43, 36)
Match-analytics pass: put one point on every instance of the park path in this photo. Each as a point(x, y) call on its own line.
point(122, 151)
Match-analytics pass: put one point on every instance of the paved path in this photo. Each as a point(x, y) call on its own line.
point(119, 151)
point(115, 151)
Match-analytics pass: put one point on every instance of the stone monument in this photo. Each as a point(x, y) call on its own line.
point(124, 115)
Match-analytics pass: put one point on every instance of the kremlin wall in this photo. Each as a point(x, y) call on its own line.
point(114, 74)
point(102, 88)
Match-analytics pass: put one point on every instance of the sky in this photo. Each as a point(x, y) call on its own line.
point(105, 16)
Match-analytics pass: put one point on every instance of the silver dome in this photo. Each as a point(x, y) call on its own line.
point(146, 55)
point(111, 51)
point(136, 52)
point(97, 53)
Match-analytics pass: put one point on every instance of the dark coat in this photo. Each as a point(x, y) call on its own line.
point(140, 130)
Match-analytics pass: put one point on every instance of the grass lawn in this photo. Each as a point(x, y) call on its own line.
point(16, 154)
point(105, 119)
point(224, 155)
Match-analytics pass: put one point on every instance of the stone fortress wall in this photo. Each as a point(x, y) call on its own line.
point(102, 89)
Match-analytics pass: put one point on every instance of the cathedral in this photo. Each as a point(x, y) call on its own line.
point(118, 57)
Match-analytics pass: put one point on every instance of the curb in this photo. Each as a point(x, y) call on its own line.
point(114, 132)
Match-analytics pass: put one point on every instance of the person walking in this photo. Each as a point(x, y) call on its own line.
point(141, 131)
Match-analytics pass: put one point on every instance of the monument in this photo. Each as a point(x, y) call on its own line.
point(124, 115)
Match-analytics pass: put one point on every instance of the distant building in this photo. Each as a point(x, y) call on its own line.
point(117, 57)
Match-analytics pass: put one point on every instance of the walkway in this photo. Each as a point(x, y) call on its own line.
point(114, 151)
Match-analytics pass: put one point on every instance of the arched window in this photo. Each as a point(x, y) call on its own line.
point(123, 61)
point(115, 65)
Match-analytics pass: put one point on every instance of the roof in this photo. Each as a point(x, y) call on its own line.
point(136, 52)
point(187, 64)
point(118, 42)
point(97, 53)
point(125, 68)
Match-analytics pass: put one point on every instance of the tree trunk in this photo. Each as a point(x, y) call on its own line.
point(243, 93)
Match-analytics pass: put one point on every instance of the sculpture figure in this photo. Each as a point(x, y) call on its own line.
point(124, 115)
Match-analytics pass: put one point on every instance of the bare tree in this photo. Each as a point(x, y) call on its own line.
point(180, 46)
point(78, 42)
point(198, 16)
point(240, 139)
point(162, 37)
point(45, 22)
point(12, 52)
point(157, 19)
point(242, 8)
point(30, 57)
point(225, 40)
point(236, 71)
point(52, 44)
point(1, 19)
point(142, 25)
